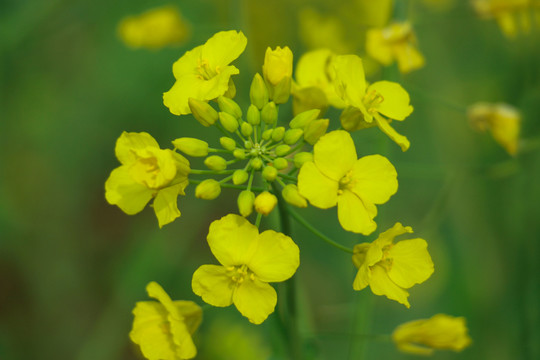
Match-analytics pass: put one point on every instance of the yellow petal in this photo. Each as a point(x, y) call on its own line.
point(232, 240)
point(411, 263)
point(387, 237)
point(409, 58)
point(334, 154)
point(374, 179)
point(128, 142)
point(395, 104)
point(212, 283)
point(154, 168)
point(385, 127)
point(276, 259)
point(320, 190)
point(166, 204)
point(255, 300)
point(354, 215)
point(377, 47)
point(191, 312)
point(350, 81)
point(123, 191)
point(188, 63)
point(381, 284)
point(224, 47)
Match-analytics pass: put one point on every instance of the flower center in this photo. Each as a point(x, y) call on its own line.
point(146, 171)
point(346, 182)
point(205, 71)
point(239, 273)
point(372, 100)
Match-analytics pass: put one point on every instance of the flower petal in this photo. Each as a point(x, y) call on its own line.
point(350, 79)
point(396, 99)
point(356, 215)
point(224, 47)
point(276, 259)
point(123, 191)
point(334, 154)
point(127, 143)
point(374, 179)
point(255, 300)
point(212, 283)
point(232, 239)
point(381, 284)
point(320, 190)
point(166, 204)
point(387, 237)
point(385, 127)
point(411, 263)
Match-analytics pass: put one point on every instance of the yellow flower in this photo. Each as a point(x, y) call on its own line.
point(422, 337)
point(503, 120)
point(337, 177)
point(163, 329)
point(320, 31)
point(277, 65)
point(147, 172)
point(395, 42)
point(249, 262)
point(204, 72)
point(389, 269)
point(510, 14)
point(373, 101)
point(154, 29)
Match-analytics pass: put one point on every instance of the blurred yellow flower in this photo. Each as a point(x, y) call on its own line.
point(249, 261)
point(154, 29)
point(163, 328)
point(389, 269)
point(322, 31)
point(511, 15)
point(424, 336)
point(502, 120)
point(204, 72)
point(373, 101)
point(147, 172)
point(337, 177)
point(395, 42)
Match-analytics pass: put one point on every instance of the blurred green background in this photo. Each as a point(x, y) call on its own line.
point(72, 266)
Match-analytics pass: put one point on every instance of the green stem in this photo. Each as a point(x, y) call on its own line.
point(230, 186)
point(210, 172)
point(288, 177)
point(258, 220)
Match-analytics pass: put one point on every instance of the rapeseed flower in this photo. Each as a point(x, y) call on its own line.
point(249, 261)
point(424, 336)
point(147, 172)
point(163, 328)
point(382, 101)
point(337, 177)
point(204, 72)
point(389, 269)
point(511, 15)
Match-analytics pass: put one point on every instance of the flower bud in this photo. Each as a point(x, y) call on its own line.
point(301, 158)
point(248, 144)
point(282, 150)
point(203, 112)
point(267, 134)
point(239, 177)
point(208, 190)
point(269, 173)
point(277, 65)
point(256, 163)
point(229, 106)
point(278, 134)
point(227, 143)
point(253, 115)
point(246, 129)
point(315, 130)
point(228, 121)
point(245, 202)
point(282, 91)
point(191, 146)
point(258, 93)
point(352, 119)
point(215, 162)
point(239, 154)
point(231, 90)
point(265, 203)
point(292, 136)
point(269, 113)
point(280, 163)
point(301, 120)
point(292, 196)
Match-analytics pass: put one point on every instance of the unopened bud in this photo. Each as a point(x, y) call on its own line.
point(269, 113)
point(301, 158)
point(282, 150)
point(269, 173)
point(278, 134)
point(229, 106)
point(258, 93)
point(239, 177)
point(227, 143)
point(315, 130)
point(231, 90)
point(265, 203)
point(292, 196)
point(292, 136)
point(280, 163)
point(267, 134)
point(253, 115)
point(282, 91)
point(239, 154)
point(301, 120)
point(203, 112)
point(245, 202)
point(191, 146)
point(228, 121)
point(246, 129)
point(215, 162)
point(208, 190)
point(256, 163)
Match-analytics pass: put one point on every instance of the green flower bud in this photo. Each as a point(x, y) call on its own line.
point(281, 163)
point(282, 150)
point(228, 121)
point(245, 203)
point(203, 112)
point(191, 146)
point(269, 113)
point(301, 158)
point(267, 134)
point(256, 163)
point(229, 106)
point(246, 129)
point(248, 144)
point(269, 173)
point(239, 154)
point(315, 130)
point(227, 143)
point(282, 91)
point(265, 203)
point(292, 196)
point(292, 136)
point(301, 120)
point(258, 93)
point(215, 162)
point(278, 134)
point(208, 190)
point(231, 90)
point(253, 115)
point(239, 177)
